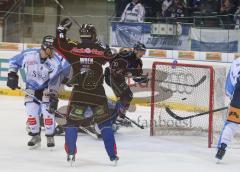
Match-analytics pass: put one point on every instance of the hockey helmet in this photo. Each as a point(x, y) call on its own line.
point(47, 42)
point(139, 46)
point(88, 31)
point(47, 45)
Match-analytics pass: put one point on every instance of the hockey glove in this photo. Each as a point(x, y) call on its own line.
point(141, 79)
point(53, 103)
point(65, 25)
point(12, 80)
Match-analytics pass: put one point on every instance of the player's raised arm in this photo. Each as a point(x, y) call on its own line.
point(61, 43)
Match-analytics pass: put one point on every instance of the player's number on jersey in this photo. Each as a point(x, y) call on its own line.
point(115, 64)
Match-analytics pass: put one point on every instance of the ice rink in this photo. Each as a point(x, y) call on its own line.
point(138, 151)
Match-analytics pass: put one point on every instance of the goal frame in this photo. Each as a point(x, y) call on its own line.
point(211, 94)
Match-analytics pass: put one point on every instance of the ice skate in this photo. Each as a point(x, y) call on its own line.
point(35, 142)
point(50, 142)
point(114, 160)
point(71, 159)
point(221, 152)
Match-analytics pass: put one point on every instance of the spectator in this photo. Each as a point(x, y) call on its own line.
point(165, 6)
point(177, 8)
point(196, 5)
point(237, 18)
point(227, 11)
point(208, 7)
point(134, 12)
point(151, 9)
point(120, 5)
point(227, 7)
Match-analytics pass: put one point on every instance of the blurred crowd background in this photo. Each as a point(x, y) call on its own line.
point(211, 13)
point(28, 21)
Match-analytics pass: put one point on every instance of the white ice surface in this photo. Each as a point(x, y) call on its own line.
point(138, 151)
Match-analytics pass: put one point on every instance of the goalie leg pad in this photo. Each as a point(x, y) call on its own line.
point(108, 138)
point(71, 140)
point(228, 132)
point(33, 112)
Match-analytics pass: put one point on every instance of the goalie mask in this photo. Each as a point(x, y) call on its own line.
point(88, 31)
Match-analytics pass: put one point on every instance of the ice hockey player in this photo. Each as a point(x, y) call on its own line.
point(124, 63)
point(42, 67)
point(86, 59)
point(232, 87)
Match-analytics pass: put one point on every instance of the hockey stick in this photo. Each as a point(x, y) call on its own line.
point(64, 116)
point(60, 115)
point(62, 7)
point(189, 85)
point(132, 121)
point(204, 77)
point(177, 117)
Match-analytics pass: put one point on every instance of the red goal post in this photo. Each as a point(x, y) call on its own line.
point(186, 89)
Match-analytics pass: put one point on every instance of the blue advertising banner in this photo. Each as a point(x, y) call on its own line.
point(127, 34)
point(214, 40)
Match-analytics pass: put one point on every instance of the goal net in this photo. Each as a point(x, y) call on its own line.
point(179, 93)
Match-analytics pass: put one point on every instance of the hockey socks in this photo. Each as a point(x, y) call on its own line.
point(108, 139)
point(71, 140)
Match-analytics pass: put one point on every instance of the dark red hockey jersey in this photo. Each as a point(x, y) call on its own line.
point(86, 60)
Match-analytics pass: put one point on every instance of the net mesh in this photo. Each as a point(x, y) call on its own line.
point(185, 90)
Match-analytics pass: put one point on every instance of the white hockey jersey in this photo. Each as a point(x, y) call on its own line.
point(133, 13)
point(40, 74)
point(165, 5)
point(232, 77)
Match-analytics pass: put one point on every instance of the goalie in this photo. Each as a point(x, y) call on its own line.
point(232, 88)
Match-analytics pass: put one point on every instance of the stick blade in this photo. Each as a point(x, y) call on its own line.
point(172, 114)
point(200, 81)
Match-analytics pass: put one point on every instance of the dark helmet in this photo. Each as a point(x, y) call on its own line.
point(139, 46)
point(47, 42)
point(88, 31)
